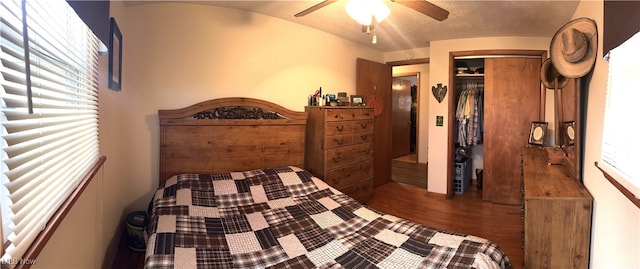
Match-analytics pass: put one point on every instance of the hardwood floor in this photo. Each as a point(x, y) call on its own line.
point(127, 258)
point(411, 158)
point(465, 213)
point(409, 172)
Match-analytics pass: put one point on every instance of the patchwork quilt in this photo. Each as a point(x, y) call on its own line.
point(287, 218)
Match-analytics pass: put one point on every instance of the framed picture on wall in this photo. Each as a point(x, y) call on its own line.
point(538, 133)
point(115, 57)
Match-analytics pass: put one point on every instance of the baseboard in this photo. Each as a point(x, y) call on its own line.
point(437, 195)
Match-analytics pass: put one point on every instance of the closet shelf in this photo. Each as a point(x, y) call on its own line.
point(470, 75)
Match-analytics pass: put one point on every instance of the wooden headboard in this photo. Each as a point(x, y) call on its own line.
point(230, 134)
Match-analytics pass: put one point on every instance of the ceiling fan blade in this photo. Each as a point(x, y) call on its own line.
point(315, 7)
point(426, 8)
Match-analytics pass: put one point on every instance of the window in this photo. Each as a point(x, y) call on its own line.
point(49, 114)
point(620, 147)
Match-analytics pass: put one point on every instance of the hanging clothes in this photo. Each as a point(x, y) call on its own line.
point(469, 115)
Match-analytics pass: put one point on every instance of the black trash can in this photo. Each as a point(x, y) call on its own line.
point(135, 231)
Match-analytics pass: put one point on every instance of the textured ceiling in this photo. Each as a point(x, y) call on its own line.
point(406, 28)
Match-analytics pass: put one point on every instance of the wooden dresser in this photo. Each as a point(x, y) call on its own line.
point(339, 148)
point(557, 215)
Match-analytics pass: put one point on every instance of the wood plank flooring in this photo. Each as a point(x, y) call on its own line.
point(465, 213)
point(412, 173)
point(127, 258)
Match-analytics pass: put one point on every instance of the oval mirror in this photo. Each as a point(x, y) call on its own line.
point(571, 133)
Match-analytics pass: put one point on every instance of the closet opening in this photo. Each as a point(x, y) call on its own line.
point(512, 98)
point(469, 119)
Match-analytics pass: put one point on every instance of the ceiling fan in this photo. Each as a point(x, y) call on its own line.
point(421, 6)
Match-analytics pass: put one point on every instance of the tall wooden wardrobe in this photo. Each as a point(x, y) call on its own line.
point(513, 98)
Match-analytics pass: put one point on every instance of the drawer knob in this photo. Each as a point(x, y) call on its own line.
point(336, 159)
point(363, 137)
point(363, 125)
point(366, 152)
point(340, 128)
point(339, 141)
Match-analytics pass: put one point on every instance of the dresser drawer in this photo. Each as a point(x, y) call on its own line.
point(340, 140)
point(337, 114)
point(343, 156)
point(362, 138)
point(362, 133)
point(362, 126)
point(347, 127)
point(339, 127)
point(362, 114)
point(338, 178)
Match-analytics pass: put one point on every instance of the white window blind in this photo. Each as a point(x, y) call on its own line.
point(45, 154)
point(620, 147)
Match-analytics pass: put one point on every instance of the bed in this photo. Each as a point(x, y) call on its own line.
point(233, 193)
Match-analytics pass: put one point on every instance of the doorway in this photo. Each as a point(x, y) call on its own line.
point(404, 113)
point(370, 78)
point(405, 167)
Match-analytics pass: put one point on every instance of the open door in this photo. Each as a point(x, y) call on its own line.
point(401, 117)
point(373, 81)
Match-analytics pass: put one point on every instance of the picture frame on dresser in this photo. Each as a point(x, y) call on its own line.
point(538, 133)
point(357, 100)
point(569, 132)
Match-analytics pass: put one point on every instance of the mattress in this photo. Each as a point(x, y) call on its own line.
point(287, 218)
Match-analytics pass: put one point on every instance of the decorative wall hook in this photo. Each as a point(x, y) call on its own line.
point(439, 92)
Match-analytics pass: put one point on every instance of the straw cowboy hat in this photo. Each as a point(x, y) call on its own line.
point(573, 48)
point(548, 72)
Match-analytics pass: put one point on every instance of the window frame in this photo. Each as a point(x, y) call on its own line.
point(612, 179)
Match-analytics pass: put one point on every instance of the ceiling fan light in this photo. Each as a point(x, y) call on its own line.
point(359, 11)
point(380, 10)
point(362, 11)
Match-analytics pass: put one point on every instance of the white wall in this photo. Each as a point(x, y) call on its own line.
point(439, 72)
point(615, 239)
